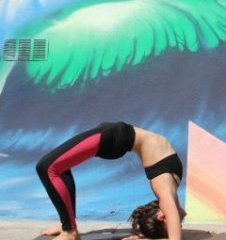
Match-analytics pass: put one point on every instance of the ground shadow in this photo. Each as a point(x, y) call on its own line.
point(117, 234)
point(107, 234)
point(200, 234)
point(196, 234)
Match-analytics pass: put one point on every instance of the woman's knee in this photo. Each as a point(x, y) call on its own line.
point(41, 166)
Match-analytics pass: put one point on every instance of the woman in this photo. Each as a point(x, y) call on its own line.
point(111, 141)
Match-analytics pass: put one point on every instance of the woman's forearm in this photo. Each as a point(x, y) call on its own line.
point(169, 208)
point(174, 229)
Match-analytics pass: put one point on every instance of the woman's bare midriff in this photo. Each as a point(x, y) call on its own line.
point(151, 147)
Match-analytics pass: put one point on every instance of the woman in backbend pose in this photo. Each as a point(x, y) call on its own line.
point(111, 141)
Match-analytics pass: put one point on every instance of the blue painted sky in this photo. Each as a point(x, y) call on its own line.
point(14, 14)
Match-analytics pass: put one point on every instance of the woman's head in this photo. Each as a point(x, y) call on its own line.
point(147, 220)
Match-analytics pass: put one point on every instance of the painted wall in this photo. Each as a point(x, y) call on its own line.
point(156, 64)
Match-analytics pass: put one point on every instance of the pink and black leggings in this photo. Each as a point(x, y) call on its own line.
point(108, 141)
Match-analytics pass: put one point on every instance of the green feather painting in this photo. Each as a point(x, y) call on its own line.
point(99, 38)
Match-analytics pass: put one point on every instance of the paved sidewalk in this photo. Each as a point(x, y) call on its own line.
point(95, 230)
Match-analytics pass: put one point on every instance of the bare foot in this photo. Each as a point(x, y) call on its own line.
point(68, 235)
point(52, 231)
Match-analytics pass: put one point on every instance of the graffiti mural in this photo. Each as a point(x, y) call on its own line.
point(68, 66)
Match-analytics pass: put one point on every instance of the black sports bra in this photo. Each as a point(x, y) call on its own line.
point(171, 164)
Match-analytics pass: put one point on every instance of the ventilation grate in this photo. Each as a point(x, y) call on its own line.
point(24, 50)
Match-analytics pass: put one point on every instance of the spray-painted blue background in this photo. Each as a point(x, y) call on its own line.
point(161, 94)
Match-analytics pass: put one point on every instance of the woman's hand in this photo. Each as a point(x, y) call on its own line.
point(134, 237)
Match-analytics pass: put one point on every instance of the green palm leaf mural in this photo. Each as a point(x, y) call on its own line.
point(95, 40)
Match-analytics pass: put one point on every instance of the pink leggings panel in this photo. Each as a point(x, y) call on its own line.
point(72, 157)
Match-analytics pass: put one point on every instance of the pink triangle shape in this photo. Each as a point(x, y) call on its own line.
point(206, 168)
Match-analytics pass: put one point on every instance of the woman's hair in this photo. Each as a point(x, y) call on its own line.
point(144, 221)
